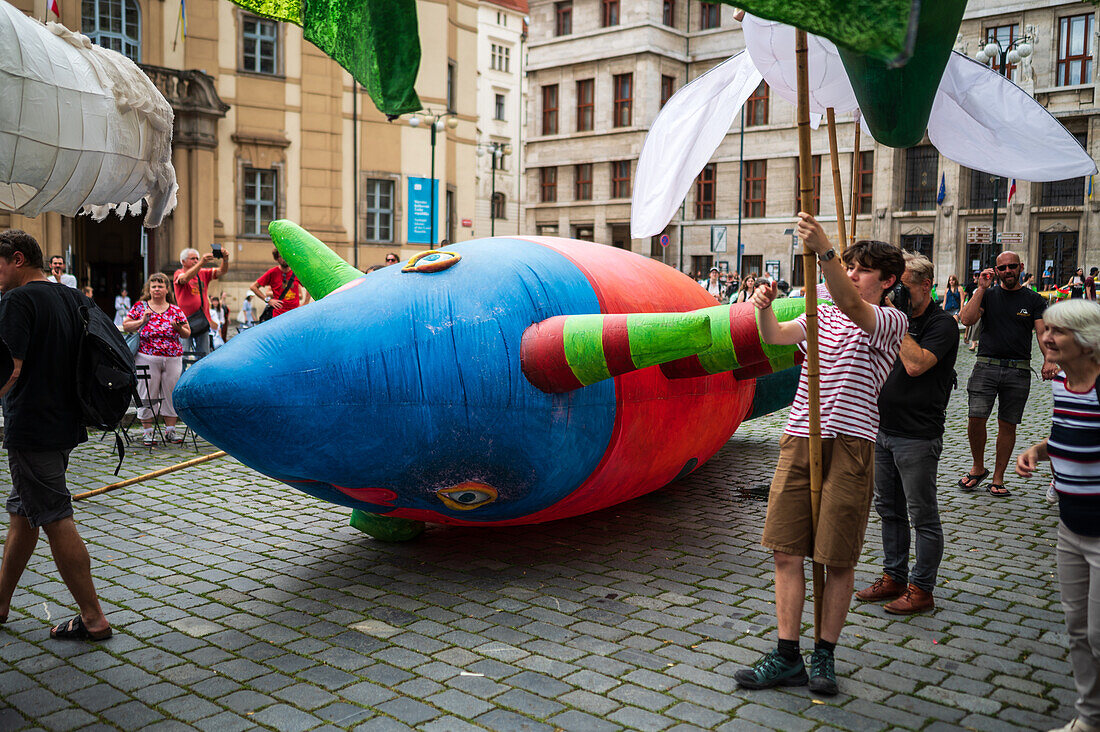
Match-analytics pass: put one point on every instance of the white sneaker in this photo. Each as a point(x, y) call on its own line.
point(1078, 725)
point(173, 437)
point(1052, 495)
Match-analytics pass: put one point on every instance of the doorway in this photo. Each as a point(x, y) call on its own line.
point(108, 257)
point(1059, 248)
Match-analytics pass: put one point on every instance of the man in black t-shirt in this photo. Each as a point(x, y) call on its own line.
point(40, 333)
point(912, 409)
point(1009, 314)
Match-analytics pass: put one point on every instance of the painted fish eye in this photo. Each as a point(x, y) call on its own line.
point(467, 496)
point(433, 260)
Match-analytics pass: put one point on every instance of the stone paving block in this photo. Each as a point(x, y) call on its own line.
point(640, 719)
point(457, 702)
point(502, 720)
point(225, 721)
point(640, 697)
point(285, 718)
point(189, 709)
point(64, 719)
point(409, 711)
point(131, 715)
point(575, 721)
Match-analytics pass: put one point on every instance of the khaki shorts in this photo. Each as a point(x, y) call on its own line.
point(847, 488)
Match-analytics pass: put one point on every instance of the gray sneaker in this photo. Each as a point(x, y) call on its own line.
point(772, 670)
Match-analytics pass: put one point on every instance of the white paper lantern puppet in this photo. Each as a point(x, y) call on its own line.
point(81, 126)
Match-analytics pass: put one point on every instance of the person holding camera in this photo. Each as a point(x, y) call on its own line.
point(1002, 369)
point(912, 408)
point(191, 283)
point(284, 291)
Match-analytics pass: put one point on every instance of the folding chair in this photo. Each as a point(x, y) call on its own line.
point(150, 401)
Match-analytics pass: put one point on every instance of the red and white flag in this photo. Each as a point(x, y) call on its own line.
point(1012, 190)
point(54, 9)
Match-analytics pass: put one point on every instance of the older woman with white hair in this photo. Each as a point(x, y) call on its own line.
point(1072, 340)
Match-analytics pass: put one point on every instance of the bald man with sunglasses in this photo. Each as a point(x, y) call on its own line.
point(1009, 315)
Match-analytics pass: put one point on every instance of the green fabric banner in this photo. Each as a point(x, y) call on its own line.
point(883, 29)
point(376, 41)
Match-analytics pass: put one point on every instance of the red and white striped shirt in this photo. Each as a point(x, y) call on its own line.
point(854, 366)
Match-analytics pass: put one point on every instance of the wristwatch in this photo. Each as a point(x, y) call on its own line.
point(827, 256)
point(267, 299)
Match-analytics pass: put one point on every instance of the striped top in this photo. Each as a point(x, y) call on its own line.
point(854, 366)
point(1074, 444)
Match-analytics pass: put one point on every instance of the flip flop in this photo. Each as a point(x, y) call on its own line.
point(998, 490)
point(966, 486)
point(76, 630)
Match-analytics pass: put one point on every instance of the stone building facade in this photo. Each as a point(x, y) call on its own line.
point(750, 197)
point(502, 36)
point(266, 127)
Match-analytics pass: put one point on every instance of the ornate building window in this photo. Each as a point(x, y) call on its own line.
point(1074, 50)
point(704, 192)
point(113, 24)
point(379, 210)
point(259, 196)
point(259, 45)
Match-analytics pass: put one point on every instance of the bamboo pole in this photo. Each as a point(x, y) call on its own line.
point(147, 476)
point(809, 268)
point(838, 194)
point(855, 179)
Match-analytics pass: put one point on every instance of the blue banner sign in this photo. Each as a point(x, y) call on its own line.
point(421, 230)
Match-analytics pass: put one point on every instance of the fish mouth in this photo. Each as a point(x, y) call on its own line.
point(371, 499)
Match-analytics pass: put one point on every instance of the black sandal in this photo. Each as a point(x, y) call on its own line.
point(966, 486)
point(998, 490)
point(76, 630)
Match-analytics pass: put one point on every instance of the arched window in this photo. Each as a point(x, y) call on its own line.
point(498, 205)
point(113, 24)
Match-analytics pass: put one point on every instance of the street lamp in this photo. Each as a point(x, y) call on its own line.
point(498, 150)
point(1001, 54)
point(436, 123)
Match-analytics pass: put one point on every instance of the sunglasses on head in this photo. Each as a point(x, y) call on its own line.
point(1006, 267)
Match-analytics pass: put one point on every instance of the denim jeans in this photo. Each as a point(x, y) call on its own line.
point(905, 495)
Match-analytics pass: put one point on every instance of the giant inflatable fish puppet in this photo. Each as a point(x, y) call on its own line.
point(499, 382)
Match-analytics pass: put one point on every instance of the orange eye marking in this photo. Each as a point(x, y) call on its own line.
point(433, 260)
point(467, 496)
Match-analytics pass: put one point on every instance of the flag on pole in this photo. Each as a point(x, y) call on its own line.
point(55, 9)
point(1090, 187)
point(1011, 190)
point(183, 19)
point(943, 189)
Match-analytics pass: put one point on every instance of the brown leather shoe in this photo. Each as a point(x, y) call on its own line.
point(884, 588)
point(915, 600)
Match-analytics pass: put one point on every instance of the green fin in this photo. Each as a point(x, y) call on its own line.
point(386, 528)
point(318, 268)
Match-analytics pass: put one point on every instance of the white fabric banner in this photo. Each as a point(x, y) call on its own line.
point(683, 138)
point(982, 120)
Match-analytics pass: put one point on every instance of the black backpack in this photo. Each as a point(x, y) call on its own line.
point(106, 381)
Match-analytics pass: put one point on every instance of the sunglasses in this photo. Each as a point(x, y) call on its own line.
point(1006, 267)
point(390, 259)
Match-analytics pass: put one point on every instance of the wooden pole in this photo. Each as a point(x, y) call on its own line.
point(855, 184)
point(838, 194)
point(147, 476)
point(809, 268)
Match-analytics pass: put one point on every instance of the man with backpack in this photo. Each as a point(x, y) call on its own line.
point(41, 332)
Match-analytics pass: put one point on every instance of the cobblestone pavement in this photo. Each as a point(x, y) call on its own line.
point(240, 603)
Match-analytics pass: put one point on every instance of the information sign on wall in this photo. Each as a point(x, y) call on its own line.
point(421, 230)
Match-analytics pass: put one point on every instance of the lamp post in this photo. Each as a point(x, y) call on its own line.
point(436, 123)
point(498, 150)
point(1001, 54)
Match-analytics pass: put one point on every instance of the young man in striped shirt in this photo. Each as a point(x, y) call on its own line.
point(858, 339)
